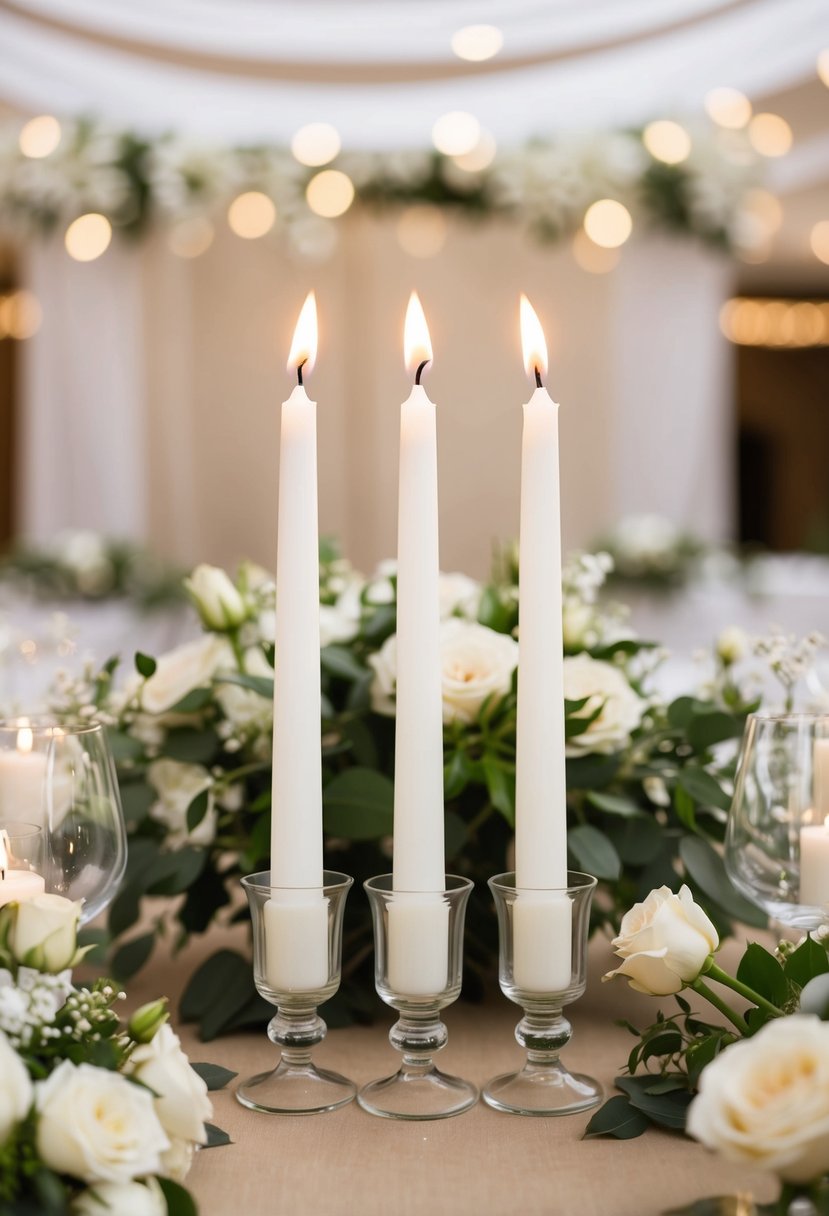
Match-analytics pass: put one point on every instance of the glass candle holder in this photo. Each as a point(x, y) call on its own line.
point(20, 862)
point(542, 968)
point(60, 776)
point(418, 943)
point(297, 952)
point(777, 839)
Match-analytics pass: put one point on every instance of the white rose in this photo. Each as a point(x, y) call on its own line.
point(765, 1100)
point(336, 625)
point(181, 1102)
point(621, 711)
point(246, 709)
point(577, 621)
point(44, 932)
point(176, 1162)
point(15, 1089)
point(177, 785)
point(665, 942)
point(217, 601)
point(476, 663)
point(122, 1199)
point(459, 595)
point(96, 1125)
point(178, 672)
point(732, 645)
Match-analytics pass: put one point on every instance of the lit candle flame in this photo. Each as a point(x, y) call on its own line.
point(304, 346)
point(532, 340)
point(25, 739)
point(417, 345)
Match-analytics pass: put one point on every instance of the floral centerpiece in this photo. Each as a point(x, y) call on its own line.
point(96, 1116)
point(648, 781)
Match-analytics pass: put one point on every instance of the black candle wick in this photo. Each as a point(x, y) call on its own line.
point(299, 370)
point(537, 379)
point(419, 371)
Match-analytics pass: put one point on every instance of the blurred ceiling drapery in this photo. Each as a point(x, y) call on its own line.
point(256, 70)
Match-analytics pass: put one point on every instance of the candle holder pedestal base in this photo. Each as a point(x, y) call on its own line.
point(542, 968)
point(297, 948)
point(418, 940)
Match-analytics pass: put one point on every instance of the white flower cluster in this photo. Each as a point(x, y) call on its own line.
point(29, 1004)
point(788, 656)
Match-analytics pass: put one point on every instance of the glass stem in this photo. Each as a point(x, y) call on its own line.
point(718, 1003)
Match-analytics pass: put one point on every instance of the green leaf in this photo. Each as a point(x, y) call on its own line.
point(703, 788)
point(455, 834)
point(136, 798)
point(132, 956)
point(614, 805)
point(702, 1051)
point(195, 700)
point(707, 729)
point(707, 870)
point(684, 806)
point(215, 1135)
point(192, 746)
point(668, 1110)
point(377, 627)
point(804, 963)
point(593, 852)
point(144, 665)
point(260, 684)
point(214, 1076)
point(500, 784)
point(174, 872)
point(762, 972)
point(637, 841)
point(340, 662)
point(591, 772)
point(363, 744)
point(197, 810)
point(218, 988)
point(680, 713)
point(663, 1044)
point(456, 775)
point(359, 804)
point(179, 1201)
point(617, 1118)
point(493, 612)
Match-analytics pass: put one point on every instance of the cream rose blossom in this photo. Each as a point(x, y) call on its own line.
point(96, 1125)
point(664, 942)
point(459, 595)
point(122, 1199)
point(217, 601)
point(604, 684)
point(44, 932)
point(178, 672)
point(476, 663)
point(177, 784)
point(181, 1102)
point(765, 1100)
point(15, 1089)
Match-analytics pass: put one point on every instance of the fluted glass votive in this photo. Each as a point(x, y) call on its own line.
point(418, 941)
point(542, 968)
point(777, 839)
point(297, 952)
point(21, 862)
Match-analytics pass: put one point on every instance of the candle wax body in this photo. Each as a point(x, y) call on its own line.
point(540, 781)
point(296, 941)
point(418, 945)
point(18, 885)
point(542, 936)
point(22, 776)
point(814, 865)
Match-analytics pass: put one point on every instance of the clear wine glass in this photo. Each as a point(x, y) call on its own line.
point(60, 776)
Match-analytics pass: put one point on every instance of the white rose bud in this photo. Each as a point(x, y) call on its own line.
point(44, 932)
point(732, 645)
point(122, 1199)
point(606, 685)
point(665, 942)
point(192, 665)
point(181, 1101)
point(15, 1089)
point(765, 1100)
point(217, 601)
point(97, 1126)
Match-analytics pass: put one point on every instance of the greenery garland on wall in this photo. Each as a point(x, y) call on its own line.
point(51, 173)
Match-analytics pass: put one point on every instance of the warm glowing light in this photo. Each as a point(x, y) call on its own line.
point(417, 345)
point(25, 739)
point(20, 315)
point(823, 66)
point(456, 133)
point(477, 42)
point(608, 223)
point(728, 108)
point(251, 215)
point(330, 193)
point(788, 324)
point(667, 141)
point(316, 143)
point(421, 230)
point(88, 237)
point(819, 240)
point(592, 257)
point(304, 346)
point(770, 135)
point(192, 237)
point(480, 157)
point(532, 340)
point(39, 137)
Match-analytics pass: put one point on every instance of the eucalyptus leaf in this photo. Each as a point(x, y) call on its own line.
point(500, 784)
point(593, 852)
point(216, 1137)
point(703, 788)
point(214, 1076)
point(132, 956)
point(617, 1118)
point(359, 805)
point(706, 868)
point(340, 662)
point(263, 685)
point(179, 1201)
point(613, 804)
